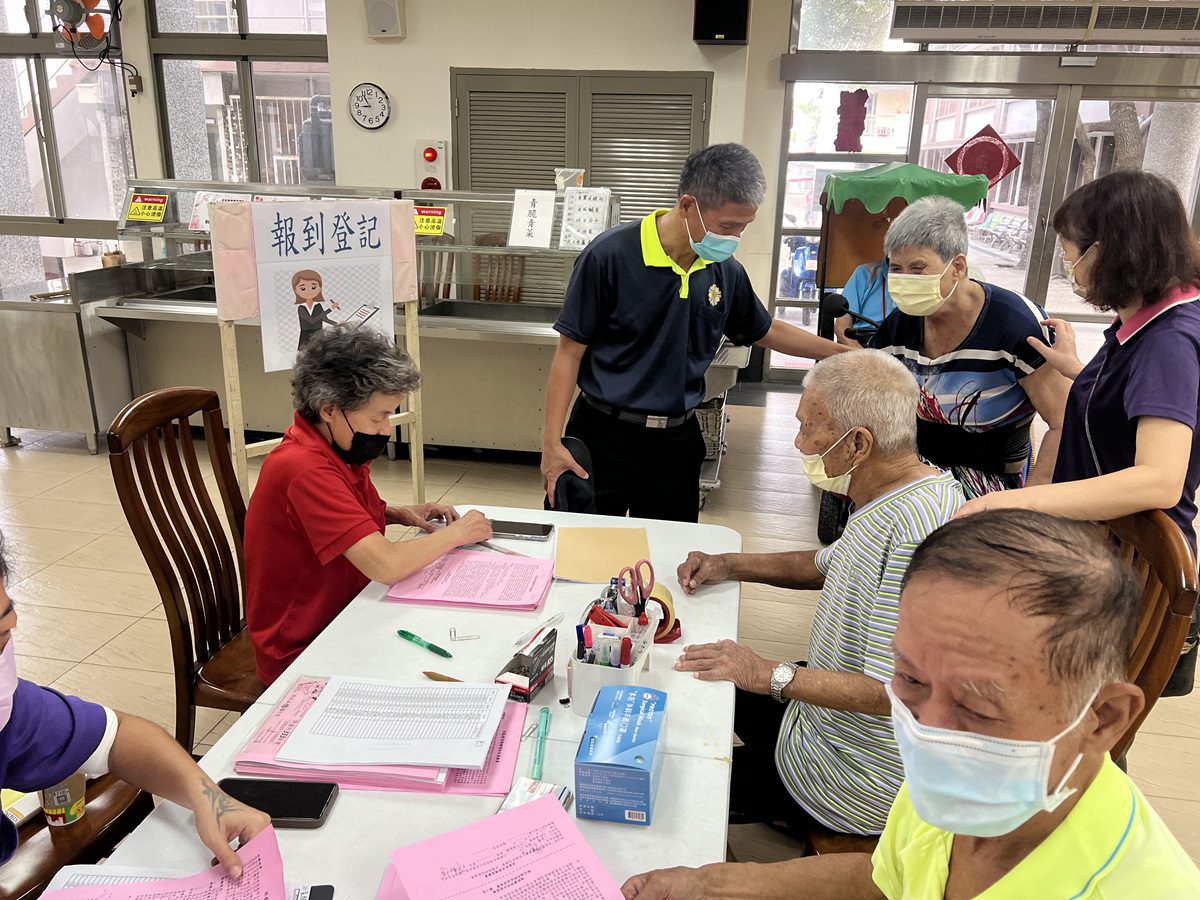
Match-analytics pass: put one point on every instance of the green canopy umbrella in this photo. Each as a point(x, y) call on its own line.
point(877, 186)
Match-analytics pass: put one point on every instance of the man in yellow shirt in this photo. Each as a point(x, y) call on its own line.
point(1008, 694)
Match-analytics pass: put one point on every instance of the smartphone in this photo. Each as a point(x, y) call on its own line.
point(521, 531)
point(290, 804)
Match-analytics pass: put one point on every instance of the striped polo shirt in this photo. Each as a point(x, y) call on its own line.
point(843, 768)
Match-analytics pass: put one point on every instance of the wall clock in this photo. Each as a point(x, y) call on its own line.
point(370, 107)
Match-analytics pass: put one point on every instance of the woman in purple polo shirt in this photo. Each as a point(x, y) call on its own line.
point(46, 737)
point(1129, 438)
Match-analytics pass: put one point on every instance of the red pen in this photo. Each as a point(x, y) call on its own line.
point(626, 651)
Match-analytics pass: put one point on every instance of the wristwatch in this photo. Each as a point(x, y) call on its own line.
point(781, 677)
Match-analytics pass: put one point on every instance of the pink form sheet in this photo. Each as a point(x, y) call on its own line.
point(493, 780)
point(532, 852)
point(262, 879)
point(479, 579)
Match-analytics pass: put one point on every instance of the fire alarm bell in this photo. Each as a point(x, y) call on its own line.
point(431, 165)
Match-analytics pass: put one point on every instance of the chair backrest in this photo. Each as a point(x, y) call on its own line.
point(436, 270)
point(1166, 572)
point(197, 567)
point(498, 276)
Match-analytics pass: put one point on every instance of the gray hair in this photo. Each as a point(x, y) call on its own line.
point(1051, 568)
point(723, 173)
point(869, 389)
point(346, 368)
point(935, 223)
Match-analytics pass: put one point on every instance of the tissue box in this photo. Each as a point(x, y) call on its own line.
point(619, 762)
point(526, 673)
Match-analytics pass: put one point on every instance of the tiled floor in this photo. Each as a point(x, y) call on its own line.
point(91, 622)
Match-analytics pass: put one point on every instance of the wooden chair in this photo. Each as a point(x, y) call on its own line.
point(436, 270)
point(197, 566)
point(114, 809)
point(497, 276)
point(1166, 570)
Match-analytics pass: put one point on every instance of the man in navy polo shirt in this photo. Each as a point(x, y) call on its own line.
point(644, 314)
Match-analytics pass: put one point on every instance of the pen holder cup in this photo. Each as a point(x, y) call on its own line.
point(584, 680)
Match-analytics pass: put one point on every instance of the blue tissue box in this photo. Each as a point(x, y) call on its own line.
point(619, 762)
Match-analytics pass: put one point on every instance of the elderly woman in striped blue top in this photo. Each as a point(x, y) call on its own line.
point(816, 737)
point(966, 342)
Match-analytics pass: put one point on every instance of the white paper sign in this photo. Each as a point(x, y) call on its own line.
point(585, 215)
point(532, 219)
point(321, 264)
point(200, 221)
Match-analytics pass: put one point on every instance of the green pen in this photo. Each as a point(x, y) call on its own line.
point(421, 642)
point(540, 750)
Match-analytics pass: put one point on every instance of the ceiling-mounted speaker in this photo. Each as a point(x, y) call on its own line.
point(721, 22)
point(385, 18)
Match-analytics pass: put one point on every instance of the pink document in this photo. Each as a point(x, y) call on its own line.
point(480, 579)
point(258, 757)
point(532, 852)
point(262, 879)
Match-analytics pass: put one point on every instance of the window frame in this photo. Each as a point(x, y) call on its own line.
point(242, 48)
point(37, 47)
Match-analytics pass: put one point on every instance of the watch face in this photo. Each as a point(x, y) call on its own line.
point(370, 106)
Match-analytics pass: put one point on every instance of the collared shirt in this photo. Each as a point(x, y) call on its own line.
point(1111, 846)
point(866, 291)
point(48, 738)
point(977, 385)
point(308, 508)
point(651, 328)
point(1149, 366)
point(842, 767)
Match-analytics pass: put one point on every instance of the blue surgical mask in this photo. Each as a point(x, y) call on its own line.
point(713, 247)
point(976, 785)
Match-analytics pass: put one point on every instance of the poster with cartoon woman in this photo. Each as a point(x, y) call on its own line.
point(321, 264)
point(311, 304)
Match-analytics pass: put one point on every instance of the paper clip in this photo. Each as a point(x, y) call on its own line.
point(455, 636)
point(529, 731)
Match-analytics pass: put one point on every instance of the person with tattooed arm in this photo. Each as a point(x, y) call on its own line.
point(46, 737)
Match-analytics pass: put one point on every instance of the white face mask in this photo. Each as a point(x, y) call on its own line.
point(8, 682)
point(1079, 289)
point(976, 785)
point(919, 295)
point(814, 468)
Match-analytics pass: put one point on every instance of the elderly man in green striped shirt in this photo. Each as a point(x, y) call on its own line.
point(816, 736)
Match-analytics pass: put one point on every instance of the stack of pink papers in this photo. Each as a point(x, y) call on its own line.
point(479, 579)
point(259, 757)
point(532, 852)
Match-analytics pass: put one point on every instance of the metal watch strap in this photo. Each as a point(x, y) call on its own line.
point(781, 676)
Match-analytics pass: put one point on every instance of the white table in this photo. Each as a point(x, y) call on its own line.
point(351, 850)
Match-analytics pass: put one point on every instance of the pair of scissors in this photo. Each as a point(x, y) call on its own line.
point(635, 586)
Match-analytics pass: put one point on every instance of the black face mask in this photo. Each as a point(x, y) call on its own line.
point(363, 447)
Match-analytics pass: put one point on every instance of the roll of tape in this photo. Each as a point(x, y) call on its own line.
point(662, 596)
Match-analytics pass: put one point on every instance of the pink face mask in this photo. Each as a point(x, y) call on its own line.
point(8, 682)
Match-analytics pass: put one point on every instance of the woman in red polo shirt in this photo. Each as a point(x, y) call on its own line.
point(1129, 439)
point(315, 524)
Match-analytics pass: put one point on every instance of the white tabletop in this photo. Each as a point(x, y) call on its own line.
point(351, 850)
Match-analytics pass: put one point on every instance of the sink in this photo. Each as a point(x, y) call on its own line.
point(495, 312)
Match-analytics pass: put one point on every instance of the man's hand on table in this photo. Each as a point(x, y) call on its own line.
point(666, 884)
point(727, 661)
point(701, 568)
point(556, 459)
point(220, 819)
point(423, 516)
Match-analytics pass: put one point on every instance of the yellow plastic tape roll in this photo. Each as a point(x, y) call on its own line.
point(663, 596)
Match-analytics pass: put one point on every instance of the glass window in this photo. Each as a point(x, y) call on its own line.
point(295, 127)
point(286, 16)
point(203, 99)
point(12, 17)
point(841, 25)
point(66, 256)
point(798, 267)
point(21, 169)
point(815, 117)
point(1001, 235)
point(805, 183)
point(213, 16)
point(801, 317)
point(90, 130)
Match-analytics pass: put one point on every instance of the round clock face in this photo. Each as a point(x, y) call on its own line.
point(370, 106)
